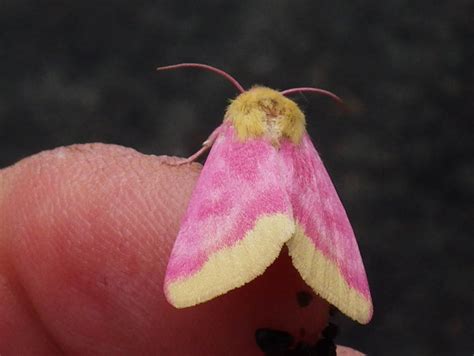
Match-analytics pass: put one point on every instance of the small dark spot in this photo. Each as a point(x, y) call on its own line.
point(273, 341)
point(330, 332)
point(304, 298)
point(281, 343)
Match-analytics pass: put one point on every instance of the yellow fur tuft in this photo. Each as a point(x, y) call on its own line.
point(265, 112)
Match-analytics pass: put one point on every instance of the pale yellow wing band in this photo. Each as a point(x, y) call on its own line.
point(324, 277)
point(233, 266)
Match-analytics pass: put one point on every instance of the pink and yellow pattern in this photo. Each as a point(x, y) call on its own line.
point(324, 249)
point(264, 186)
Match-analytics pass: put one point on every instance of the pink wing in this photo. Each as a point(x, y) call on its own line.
point(237, 221)
point(324, 249)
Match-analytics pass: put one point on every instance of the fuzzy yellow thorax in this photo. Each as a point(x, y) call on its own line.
point(264, 112)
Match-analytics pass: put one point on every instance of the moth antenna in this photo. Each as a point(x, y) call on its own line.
point(317, 91)
point(206, 67)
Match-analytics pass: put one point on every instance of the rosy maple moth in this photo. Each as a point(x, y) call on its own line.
point(263, 186)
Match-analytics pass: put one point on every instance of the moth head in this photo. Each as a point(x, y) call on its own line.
point(267, 113)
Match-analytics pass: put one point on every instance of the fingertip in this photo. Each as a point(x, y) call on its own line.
point(88, 229)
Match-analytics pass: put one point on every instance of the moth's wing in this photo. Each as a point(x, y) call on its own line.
point(324, 249)
point(237, 221)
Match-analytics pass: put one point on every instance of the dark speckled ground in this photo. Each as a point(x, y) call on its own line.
point(402, 161)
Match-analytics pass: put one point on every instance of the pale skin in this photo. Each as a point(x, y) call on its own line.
point(85, 233)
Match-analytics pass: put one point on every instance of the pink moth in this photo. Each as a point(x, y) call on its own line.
point(263, 186)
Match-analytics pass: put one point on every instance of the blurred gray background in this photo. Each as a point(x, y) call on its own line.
point(83, 71)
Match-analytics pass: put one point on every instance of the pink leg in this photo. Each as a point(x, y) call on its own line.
point(205, 146)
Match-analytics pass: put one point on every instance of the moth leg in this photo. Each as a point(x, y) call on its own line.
point(206, 145)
